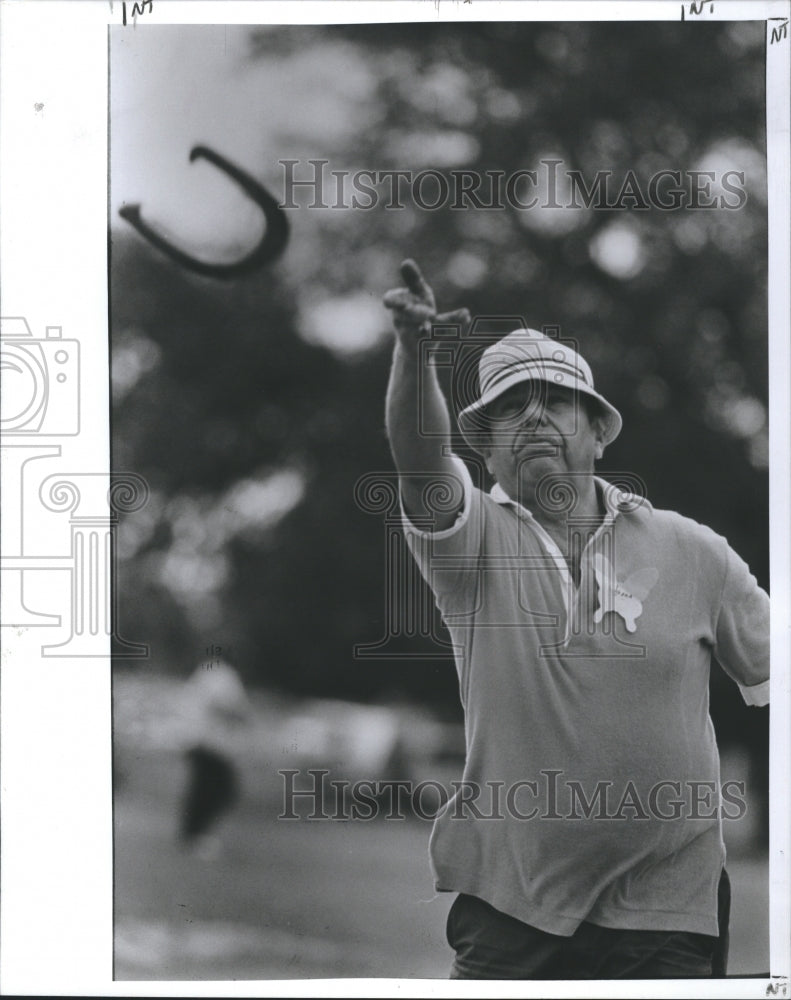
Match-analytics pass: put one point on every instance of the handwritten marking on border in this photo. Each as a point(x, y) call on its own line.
point(781, 31)
point(139, 8)
point(696, 8)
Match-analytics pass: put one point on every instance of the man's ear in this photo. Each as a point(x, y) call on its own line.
point(486, 451)
point(599, 426)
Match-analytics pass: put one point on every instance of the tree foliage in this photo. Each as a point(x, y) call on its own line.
point(221, 389)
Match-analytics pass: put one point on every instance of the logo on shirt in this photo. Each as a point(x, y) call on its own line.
point(625, 597)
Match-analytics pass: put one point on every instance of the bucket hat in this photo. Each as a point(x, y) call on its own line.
point(526, 355)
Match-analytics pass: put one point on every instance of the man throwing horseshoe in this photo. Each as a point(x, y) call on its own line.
point(584, 841)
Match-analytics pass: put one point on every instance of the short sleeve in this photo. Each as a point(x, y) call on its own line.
point(446, 557)
point(742, 632)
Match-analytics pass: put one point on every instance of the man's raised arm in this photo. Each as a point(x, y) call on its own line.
point(414, 399)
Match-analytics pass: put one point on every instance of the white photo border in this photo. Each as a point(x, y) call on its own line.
point(57, 874)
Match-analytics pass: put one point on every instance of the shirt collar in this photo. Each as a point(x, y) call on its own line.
point(617, 500)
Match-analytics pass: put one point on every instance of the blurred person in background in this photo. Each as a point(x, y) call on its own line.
point(584, 622)
point(216, 714)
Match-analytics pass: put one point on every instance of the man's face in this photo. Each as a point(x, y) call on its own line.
point(539, 429)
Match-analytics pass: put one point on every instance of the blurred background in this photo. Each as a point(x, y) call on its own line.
point(258, 570)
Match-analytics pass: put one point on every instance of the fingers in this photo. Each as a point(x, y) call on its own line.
point(406, 310)
point(413, 307)
point(460, 316)
point(415, 281)
point(413, 316)
point(416, 289)
point(397, 298)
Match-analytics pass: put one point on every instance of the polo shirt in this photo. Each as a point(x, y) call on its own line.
point(591, 788)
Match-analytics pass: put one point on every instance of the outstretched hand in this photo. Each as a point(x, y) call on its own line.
point(414, 308)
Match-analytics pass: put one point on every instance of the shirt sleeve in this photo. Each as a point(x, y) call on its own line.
point(446, 558)
point(742, 632)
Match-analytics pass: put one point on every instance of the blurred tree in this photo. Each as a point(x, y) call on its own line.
point(254, 409)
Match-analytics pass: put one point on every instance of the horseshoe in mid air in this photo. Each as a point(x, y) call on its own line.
point(272, 243)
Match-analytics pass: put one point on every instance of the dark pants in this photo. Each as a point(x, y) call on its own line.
point(491, 945)
point(211, 791)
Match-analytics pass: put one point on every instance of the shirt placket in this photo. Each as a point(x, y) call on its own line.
point(570, 593)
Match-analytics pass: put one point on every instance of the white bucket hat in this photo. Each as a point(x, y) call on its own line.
point(527, 356)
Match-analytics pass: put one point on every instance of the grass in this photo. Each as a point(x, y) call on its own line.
point(301, 899)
